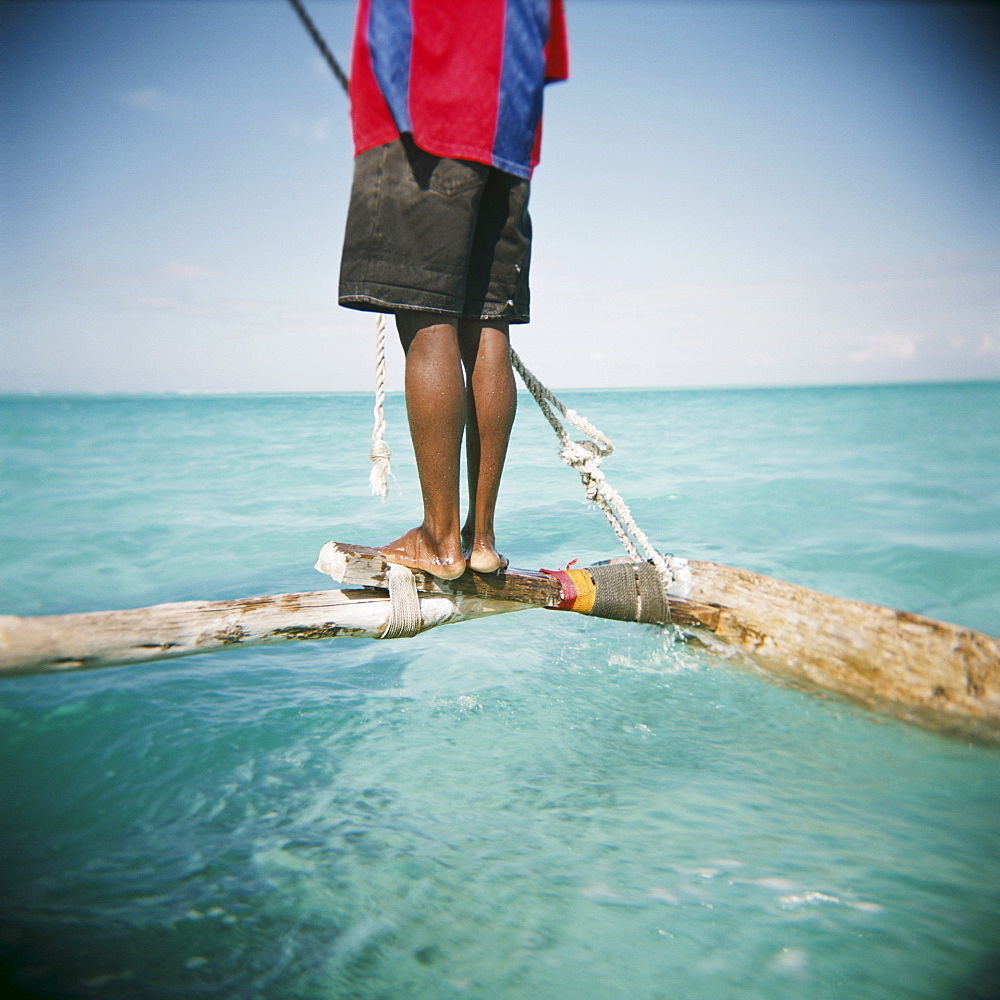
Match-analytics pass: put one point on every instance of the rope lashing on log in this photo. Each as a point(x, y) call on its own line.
point(577, 588)
point(405, 620)
point(622, 590)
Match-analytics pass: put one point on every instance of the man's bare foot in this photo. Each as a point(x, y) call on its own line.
point(416, 550)
point(486, 560)
point(481, 555)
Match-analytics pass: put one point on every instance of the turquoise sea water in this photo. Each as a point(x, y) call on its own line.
point(537, 805)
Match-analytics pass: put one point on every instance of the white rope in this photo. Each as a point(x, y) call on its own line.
point(404, 619)
point(586, 458)
point(380, 453)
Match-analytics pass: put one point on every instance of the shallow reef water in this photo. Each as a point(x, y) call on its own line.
point(532, 805)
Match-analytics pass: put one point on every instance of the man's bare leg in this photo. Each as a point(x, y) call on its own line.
point(435, 406)
point(491, 401)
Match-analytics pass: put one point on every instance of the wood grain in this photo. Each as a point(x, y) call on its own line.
point(108, 638)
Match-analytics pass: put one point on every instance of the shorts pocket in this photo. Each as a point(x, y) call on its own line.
point(452, 177)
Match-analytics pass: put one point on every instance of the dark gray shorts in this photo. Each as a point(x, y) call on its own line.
point(437, 235)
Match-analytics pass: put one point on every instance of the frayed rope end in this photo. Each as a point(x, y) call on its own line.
point(378, 479)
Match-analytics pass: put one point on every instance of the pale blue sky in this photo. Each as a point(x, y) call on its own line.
point(730, 193)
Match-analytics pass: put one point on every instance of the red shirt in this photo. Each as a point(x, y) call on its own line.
point(464, 77)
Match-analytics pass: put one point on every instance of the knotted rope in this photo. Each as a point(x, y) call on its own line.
point(584, 456)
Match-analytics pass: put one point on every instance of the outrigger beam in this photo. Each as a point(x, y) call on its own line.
point(929, 672)
point(57, 643)
point(356, 565)
point(940, 676)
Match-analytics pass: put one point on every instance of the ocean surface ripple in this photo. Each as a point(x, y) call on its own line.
point(536, 805)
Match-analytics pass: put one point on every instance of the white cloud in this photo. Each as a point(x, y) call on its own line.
point(185, 271)
point(929, 317)
point(241, 317)
point(160, 303)
point(312, 130)
point(167, 273)
point(884, 346)
point(151, 99)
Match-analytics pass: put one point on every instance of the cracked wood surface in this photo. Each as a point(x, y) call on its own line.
point(927, 671)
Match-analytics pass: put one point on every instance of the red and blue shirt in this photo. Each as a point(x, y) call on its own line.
point(463, 77)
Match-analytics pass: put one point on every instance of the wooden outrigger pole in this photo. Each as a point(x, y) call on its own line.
point(937, 675)
point(934, 674)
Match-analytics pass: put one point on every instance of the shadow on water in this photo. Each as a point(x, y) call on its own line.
point(984, 984)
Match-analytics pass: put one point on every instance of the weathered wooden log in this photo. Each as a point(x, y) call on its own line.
point(357, 565)
point(938, 675)
point(929, 672)
point(360, 566)
point(933, 673)
point(108, 638)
